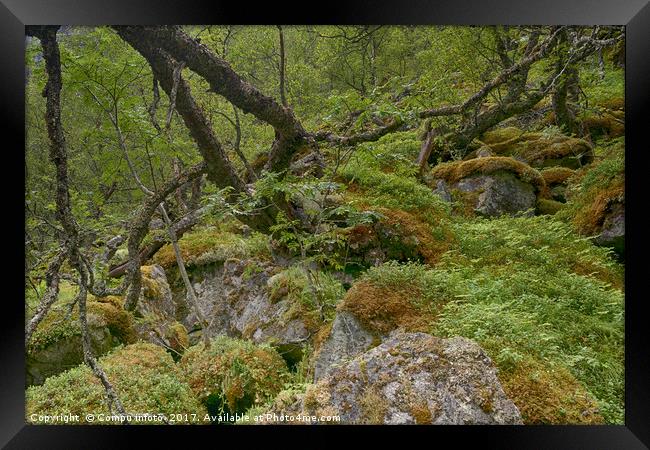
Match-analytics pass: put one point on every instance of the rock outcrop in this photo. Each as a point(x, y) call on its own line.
point(347, 339)
point(411, 378)
point(236, 300)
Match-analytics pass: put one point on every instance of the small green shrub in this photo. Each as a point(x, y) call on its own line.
point(232, 375)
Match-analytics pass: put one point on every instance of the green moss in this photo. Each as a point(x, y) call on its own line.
point(210, 245)
point(233, 375)
point(144, 377)
point(545, 148)
point(57, 325)
point(308, 299)
point(526, 289)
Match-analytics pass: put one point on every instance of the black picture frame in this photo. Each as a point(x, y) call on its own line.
point(635, 14)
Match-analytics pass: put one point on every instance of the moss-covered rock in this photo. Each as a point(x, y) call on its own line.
point(529, 290)
point(396, 235)
point(265, 303)
point(156, 296)
point(556, 179)
point(233, 375)
point(144, 377)
point(56, 346)
point(412, 378)
point(596, 199)
point(540, 149)
point(210, 245)
point(491, 186)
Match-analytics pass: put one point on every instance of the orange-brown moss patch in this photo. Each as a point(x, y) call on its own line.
point(421, 413)
point(606, 123)
point(382, 310)
point(590, 219)
point(549, 395)
point(321, 335)
point(430, 247)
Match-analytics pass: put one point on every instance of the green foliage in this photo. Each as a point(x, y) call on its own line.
point(312, 292)
point(592, 190)
point(144, 377)
point(542, 242)
point(529, 290)
point(390, 190)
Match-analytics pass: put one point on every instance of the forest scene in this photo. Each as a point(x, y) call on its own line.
point(324, 225)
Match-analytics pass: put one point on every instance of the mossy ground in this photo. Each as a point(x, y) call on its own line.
point(144, 376)
point(521, 289)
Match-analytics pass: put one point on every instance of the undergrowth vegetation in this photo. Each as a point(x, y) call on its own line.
point(544, 303)
point(144, 376)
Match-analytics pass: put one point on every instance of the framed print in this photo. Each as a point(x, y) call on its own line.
point(383, 218)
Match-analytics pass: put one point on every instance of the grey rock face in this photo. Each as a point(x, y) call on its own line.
point(346, 340)
point(412, 378)
point(236, 302)
point(443, 191)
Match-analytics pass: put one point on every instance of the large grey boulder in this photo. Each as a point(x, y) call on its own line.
point(411, 378)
